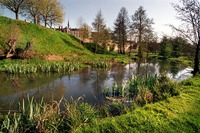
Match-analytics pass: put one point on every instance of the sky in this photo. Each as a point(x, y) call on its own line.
point(161, 11)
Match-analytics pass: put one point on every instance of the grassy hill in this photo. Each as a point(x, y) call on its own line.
point(48, 42)
point(45, 41)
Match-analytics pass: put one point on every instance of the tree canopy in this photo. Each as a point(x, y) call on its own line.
point(99, 27)
point(141, 26)
point(121, 26)
point(188, 13)
point(14, 6)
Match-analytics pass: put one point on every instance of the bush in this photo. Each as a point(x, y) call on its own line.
point(116, 109)
point(92, 46)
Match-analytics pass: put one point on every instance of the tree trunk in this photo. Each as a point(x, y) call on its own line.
point(16, 15)
point(45, 23)
point(95, 49)
point(140, 51)
point(196, 59)
point(35, 19)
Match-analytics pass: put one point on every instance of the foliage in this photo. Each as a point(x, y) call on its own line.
point(15, 6)
point(51, 12)
point(99, 28)
point(177, 44)
point(44, 41)
point(101, 64)
point(121, 29)
point(45, 67)
point(78, 114)
point(176, 114)
point(141, 26)
point(92, 47)
point(142, 90)
point(153, 47)
point(188, 12)
point(84, 31)
point(165, 48)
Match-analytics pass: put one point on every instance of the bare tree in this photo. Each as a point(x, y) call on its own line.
point(13, 5)
point(121, 29)
point(141, 25)
point(33, 7)
point(99, 26)
point(56, 15)
point(84, 31)
point(188, 12)
point(51, 12)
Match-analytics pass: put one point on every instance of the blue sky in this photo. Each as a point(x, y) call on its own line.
point(160, 10)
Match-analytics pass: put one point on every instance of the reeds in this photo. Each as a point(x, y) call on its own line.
point(44, 117)
point(101, 64)
point(56, 67)
point(143, 90)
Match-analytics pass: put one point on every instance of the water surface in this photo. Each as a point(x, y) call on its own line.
point(87, 83)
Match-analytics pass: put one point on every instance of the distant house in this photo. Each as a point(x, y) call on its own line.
point(129, 46)
point(73, 31)
point(67, 29)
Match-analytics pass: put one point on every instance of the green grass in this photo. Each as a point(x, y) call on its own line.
point(55, 67)
point(177, 114)
point(47, 42)
point(183, 60)
point(143, 90)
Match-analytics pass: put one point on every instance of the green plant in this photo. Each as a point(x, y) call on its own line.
point(78, 114)
point(143, 90)
point(101, 64)
point(45, 67)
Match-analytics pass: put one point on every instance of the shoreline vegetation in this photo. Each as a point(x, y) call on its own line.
point(172, 114)
point(159, 104)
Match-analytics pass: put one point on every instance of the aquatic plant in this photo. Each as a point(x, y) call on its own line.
point(47, 117)
point(101, 64)
point(143, 90)
point(56, 67)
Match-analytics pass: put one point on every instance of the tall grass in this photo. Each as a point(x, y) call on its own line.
point(56, 67)
point(102, 64)
point(178, 114)
point(143, 90)
point(47, 117)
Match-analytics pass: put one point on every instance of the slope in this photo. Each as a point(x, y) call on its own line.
point(45, 41)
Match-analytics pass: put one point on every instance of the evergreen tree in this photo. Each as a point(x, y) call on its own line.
point(141, 25)
point(165, 48)
point(177, 44)
point(121, 26)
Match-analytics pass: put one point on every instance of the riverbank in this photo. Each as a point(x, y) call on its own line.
point(177, 114)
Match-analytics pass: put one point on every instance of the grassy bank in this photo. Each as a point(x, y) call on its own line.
point(177, 114)
point(183, 60)
point(49, 44)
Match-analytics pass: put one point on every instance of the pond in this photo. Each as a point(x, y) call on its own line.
point(87, 83)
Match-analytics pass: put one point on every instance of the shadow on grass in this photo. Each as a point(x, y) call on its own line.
point(66, 41)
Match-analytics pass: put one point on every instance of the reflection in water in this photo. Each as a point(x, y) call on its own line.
point(181, 75)
point(88, 83)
